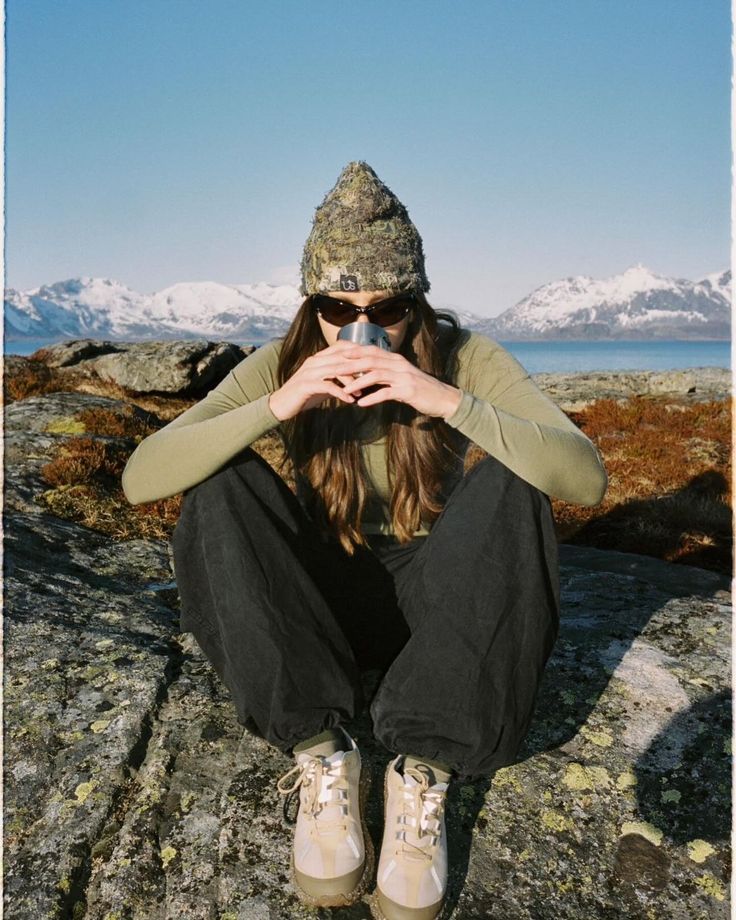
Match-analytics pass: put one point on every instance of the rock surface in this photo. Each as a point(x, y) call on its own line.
point(575, 391)
point(132, 792)
point(148, 367)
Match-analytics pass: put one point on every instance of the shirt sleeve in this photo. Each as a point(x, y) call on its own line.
point(203, 438)
point(504, 412)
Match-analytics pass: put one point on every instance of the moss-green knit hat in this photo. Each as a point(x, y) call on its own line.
point(362, 239)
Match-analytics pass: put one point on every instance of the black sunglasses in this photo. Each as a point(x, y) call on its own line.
point(384, 312)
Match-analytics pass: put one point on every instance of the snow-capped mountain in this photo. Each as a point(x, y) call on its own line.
point(99, 308)
point(637, 304)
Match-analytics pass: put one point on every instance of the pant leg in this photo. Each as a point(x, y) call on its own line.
point(482, 600)
point(259, 590)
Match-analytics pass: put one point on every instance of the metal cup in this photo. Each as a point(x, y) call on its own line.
point(365, 334)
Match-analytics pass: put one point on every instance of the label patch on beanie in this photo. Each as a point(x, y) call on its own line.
point(349, 283)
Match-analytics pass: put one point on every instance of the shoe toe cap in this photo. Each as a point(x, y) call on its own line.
point(394, 910)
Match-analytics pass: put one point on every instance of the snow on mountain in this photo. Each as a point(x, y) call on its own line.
point(638, 303)
point(97, 307)
point(719, 283)
point(78, 306)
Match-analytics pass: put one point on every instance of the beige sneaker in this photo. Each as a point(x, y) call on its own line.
point(412, 868)
point(332, 854)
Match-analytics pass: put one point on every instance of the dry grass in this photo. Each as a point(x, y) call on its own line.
point(669, 468)
point(34, 378)
point(84, 478)
point(670, 488)
point(126, 424)
point(31, 377)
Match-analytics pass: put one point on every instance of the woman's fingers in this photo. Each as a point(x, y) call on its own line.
point(387, 377)
point(346, 381)
point(378, 396)
point(332, 389)
point(347, 362)
point(340, 348)
point(351, 352)
point(344, 371)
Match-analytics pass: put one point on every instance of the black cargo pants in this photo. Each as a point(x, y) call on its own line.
point(460, 622)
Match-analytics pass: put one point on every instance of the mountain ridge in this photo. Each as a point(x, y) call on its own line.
point(635, 304)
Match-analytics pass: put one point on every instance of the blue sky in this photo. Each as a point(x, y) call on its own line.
point(156, 141)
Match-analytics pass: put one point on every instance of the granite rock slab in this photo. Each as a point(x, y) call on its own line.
point(131, 791)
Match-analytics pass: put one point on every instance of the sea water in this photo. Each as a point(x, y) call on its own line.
point(567, 357)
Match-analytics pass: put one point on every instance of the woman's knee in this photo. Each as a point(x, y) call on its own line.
point(494, 479)
point(239, 476)
point(246, 466)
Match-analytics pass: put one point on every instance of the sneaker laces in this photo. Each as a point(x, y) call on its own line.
point(424, 806)
point(324, 785)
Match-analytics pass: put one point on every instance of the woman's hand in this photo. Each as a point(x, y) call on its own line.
point(400, 380)
point(314, 380)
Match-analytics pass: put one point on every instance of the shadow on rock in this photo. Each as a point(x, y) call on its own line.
point(633, 618)
point(691, 526)
point(684, 777)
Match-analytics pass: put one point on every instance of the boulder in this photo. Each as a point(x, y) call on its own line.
point(573, 392)
point(175, 367)
point(182, 367)
point(64, 354)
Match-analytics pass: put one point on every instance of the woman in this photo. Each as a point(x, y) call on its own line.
point(387, 557)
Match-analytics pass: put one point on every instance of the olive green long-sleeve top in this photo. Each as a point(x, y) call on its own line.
point(501, 410)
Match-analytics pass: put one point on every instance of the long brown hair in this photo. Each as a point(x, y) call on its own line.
point(322, 445)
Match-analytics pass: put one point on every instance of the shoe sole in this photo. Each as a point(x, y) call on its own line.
point(384, 908)
point(399, 911)
point(345, 900)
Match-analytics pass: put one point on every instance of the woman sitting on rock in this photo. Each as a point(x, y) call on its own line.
point(390, 556)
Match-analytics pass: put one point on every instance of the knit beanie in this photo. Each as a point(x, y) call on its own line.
point(362, 239)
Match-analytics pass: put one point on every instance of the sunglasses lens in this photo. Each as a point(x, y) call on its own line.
point(391, 311)
point(333, 311)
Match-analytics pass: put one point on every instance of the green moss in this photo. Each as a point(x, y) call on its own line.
point(507, 777)
point(645, 829)
point(82, 791)
point(711, 886)
point(626, 779)
point(188, 798)
point(602, 739)
point(699, 850)
point(580, 777)
point(167, 854)
point(555, 821)
point(92, 671)
point(67, 425)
